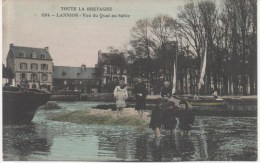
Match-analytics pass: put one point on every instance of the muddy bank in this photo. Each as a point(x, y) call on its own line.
point(107, 117)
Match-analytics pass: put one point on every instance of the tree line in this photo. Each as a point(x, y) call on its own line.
point(226, 32)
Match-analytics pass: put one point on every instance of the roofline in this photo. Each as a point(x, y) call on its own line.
point(27, 47)
point(72, 66)
point(34, 58)
point(74, 78)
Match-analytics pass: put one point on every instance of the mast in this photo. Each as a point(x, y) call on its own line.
point(174, 80)
point(203, 68)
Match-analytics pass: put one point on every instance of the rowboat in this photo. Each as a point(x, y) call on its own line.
point(202, 101)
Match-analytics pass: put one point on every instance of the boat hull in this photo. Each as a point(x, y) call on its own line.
point(20, 107)
point(206, 102)
point(202, 101)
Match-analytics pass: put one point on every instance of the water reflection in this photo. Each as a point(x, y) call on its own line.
point(212, 139)
point(142, 147)
point(121, 151)
point(186, 148)
point(23, 141)
point(175, 147)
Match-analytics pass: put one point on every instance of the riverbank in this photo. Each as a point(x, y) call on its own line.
point(103, 117)
point(108, 97)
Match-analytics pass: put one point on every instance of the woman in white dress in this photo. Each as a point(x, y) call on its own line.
point(120, 94)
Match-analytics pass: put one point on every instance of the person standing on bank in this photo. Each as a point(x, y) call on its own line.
point(120, 94)
point(166, 91)
point(140, 92)
point(215, 94)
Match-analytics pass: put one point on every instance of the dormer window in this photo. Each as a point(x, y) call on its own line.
point(22, 55)
point(33, 55)
point(63, 73)
point(43, 56)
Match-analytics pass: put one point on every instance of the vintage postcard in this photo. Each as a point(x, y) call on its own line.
point(114, 80)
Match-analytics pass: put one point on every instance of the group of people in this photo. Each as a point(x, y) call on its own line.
point(166, 112)
point(165, 116)
point(121, 94)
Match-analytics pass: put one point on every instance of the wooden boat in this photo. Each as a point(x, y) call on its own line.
point(20, 107)
point(202, 101)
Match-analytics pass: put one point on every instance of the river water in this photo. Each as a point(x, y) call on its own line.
point(212, 139)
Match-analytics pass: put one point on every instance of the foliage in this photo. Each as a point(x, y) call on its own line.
point(226, 32)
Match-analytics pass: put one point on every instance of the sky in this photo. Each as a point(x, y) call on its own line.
point(73, 41)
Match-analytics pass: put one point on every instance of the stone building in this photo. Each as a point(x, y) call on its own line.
point(110, 68)
point(80, 78)
point(35, 64)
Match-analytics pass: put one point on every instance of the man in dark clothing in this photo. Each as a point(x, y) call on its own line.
point(166, 91)
point(140, 96)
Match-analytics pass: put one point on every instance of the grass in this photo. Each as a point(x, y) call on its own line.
point(83, 117)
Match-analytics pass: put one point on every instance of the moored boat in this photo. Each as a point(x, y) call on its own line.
point(202, 101)
point(20, 107)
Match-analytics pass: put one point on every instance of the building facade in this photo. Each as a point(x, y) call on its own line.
point(110, 69)
point(34, 64)
point(74, 78)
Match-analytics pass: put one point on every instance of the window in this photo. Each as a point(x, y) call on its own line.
point(23, 75)
point(34, 66)
point(44, 77)
point(43, 56)
point(114, 70)
point(108, 70)
point(33, 77)
point(122, 78)
point(33, 55)
point(105, 69)
point(44, 66)
point(115, 79)
point(34, 86)
point(109, 79)
point(23, 66)
point(22, 55)
point(78, 74)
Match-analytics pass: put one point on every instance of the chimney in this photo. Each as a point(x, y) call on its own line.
point(83, 68)
point(46, 48)
point(11, 45)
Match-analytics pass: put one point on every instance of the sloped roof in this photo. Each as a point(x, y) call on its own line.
point(28, 51)
point(72, 72)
